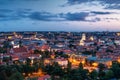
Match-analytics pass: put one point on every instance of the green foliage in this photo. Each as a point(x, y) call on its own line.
point(89, 52)
point(9, 72)
point(2, 50)
point(16, 76)
point(109, 74)
point(108, 50)
point(20, 43)
point(37, 52)
point(101, 67)
point(6, 44)
point(48, 69)
point(94, 75)
point(116, 69)
point(28, 61)
point(6, 59)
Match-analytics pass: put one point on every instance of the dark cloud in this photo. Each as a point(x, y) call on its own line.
point(5, 2)
point(75, 16)
point(6, 14)
point(111, 4)
point(96, 19)
point(81, 16)
point(77, 1)
point(103, 1)
point(116, 19)
point(101, 13)
point(111, 1)
point(115, 6)
point(5, 10)
point(46, 16)
point(43, 16)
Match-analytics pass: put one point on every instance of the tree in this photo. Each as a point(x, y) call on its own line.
point(69, 67)
point(37, 52)
point(54, 70)
point(28, 61)
point(87, 52)
point(116, 69)
point(49, 68)
point(16, 76)
point(109, 74)
point(57, 71)
point(2, 50)
point(79, 73)
point(101, 67)
point(9, 72)
point(80, 66)
point(94, 75)
point(108, 50)
point(101, 71)
point(27, 69)
point(3, 75)
point(6, 44)
point(67, 71)
point(20, 43)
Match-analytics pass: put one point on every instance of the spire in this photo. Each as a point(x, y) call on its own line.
point(82, 39)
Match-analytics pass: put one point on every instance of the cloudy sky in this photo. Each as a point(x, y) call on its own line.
point(59, 15)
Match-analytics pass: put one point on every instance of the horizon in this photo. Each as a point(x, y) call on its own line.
point(61, 31)
point(63, 15)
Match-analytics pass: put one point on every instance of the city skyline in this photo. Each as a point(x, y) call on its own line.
point(62, 15)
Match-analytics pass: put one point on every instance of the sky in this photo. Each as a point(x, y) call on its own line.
point(60, 15)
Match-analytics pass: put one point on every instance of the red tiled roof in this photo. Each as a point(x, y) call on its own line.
point(15, 57)
point(44, 77)
point(60, 59)
point(67, 51)
point(19, 50)
point(45, 47)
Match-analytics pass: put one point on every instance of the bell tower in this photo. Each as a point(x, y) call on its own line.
point(82, 40)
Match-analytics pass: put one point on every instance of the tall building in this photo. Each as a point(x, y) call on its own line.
point(91, 38)
point(82, 40)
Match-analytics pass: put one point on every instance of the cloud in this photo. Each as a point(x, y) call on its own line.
point(5, 10)
point(71, 2)
point(75, 16)
point(95, 19)
point(115, 19)
point(101, 13)
point(114, 6)
point(84, 1)
point(108, 4)
point(5, 2)
point(43, 16)
point(6, 14)
point(111, 1)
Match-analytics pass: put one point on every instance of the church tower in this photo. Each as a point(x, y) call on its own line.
point(91, 38)
point(83, 36)
point(82, 40)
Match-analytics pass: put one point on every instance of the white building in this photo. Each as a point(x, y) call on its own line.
point(82, 40)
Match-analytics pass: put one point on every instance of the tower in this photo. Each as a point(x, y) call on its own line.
point(91, 38)
point(82, 39)
point(83, 36)
point(15, 34)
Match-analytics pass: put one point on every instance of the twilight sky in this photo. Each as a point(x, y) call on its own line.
point(59, 15)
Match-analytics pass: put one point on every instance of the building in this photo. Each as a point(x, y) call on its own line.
point(82, 40)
